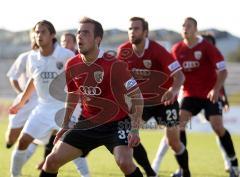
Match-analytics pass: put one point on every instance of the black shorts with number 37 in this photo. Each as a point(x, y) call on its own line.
point(164, 115)
point(110, 135)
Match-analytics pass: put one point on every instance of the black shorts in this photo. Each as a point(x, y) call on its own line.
point(110, 135)
point(164, 115)
point(195, 105)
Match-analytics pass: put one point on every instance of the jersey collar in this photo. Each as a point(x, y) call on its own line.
point(55, 54)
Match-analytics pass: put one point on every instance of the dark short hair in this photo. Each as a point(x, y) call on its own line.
point(71, 35)
point(49, 26)
point(98, 30)
point(144, 22)
point(193, 20)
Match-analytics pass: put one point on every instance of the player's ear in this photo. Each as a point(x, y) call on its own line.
point(98, 40)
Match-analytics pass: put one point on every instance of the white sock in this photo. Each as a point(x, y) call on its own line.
point(17, 161)
point(162, 150)
point(226, 160)
point(82, 166)
point(30, 150)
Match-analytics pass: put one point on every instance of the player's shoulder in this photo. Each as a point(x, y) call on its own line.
point(73, 60)
point(62, 52)
point(154, 45)
point(24, 55)
point(124, 45)
point(178, 46)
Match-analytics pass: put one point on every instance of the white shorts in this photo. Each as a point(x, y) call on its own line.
point(41, 122)
point(44, 119)
point(18, 120)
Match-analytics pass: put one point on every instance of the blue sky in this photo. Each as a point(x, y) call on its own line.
point(18, 15)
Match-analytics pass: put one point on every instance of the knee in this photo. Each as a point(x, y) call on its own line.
point(175, 145)
point(126, 165)
point(219, 130)
point(51, 163)
point(23, 143)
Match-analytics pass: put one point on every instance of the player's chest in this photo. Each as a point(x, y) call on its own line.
point(45, 71)
point(93, 83)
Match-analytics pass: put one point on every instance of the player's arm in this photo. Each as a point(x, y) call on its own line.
point(169, 96)
point(29, 89)
point(15, 85)
point(71, 102)
point(135, 113)
point(213, 95)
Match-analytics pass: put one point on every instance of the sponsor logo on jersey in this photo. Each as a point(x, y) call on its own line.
point(198, 55)
point(130, 83)
point(90, 90)
point(189, 65)
point(173, 66)
point(147, 63)
point(59, 65)
point(98, 76)
point(48, 75)
point(139, 73)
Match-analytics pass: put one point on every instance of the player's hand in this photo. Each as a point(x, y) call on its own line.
point(133, 138)
point(59, 135)
point(168, 97)
point(15, 108)
point(213, 95)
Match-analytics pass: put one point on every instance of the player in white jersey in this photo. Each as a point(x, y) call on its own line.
point(18, 78)
point(44, 65)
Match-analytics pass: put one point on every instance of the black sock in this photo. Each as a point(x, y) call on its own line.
point(140, 155)
point(227, 144)
point(182, 160)
point(49, 146)
point(183, 137)
point(136, 173)
point(46, 174)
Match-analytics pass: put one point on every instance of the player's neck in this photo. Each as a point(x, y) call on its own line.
point(139, 48)
point(190, 42)
point(90, 57)
point(46, 50)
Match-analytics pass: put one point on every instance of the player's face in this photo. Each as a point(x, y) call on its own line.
point(68, 42)
point(42, 36)
point(135, 32)
point(189, 29)
point(85, 38)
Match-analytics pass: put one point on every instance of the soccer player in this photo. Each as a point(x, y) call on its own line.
point(163, 146)
point(146, 58)
point(18, 78)
point(106, 118)
point(205, 71)
point(68, 41)
point(44, 65)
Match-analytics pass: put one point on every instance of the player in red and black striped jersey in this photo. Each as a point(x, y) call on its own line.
point(205, 71)
point(111, 106)
point(160, 77)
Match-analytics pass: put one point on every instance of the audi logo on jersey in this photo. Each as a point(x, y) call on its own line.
point(140, 72)
point(90, 90)
point(189, 65)
point(48, 75)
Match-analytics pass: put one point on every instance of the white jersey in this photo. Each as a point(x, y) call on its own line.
point(43, 70)
point(18, 70)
